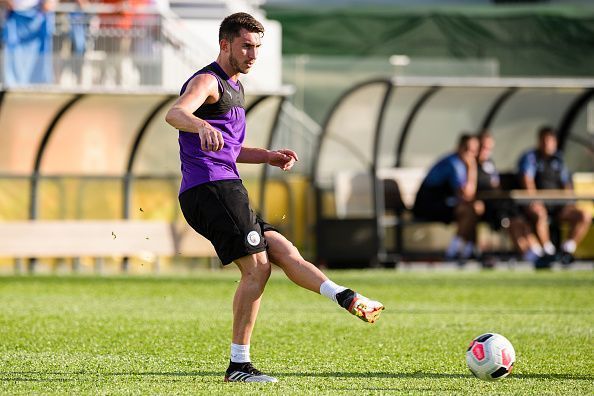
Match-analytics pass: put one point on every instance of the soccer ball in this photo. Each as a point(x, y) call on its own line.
point(490, 357)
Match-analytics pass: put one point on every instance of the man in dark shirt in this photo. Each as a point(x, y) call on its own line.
point(541, 169)
point(503, 213)
point(447, 194)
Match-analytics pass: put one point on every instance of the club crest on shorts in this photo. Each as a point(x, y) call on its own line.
point(253, 238)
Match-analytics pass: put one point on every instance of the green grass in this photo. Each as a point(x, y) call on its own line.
point(144, 335)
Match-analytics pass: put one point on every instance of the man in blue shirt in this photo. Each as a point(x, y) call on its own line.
point(541, 169)
point(447, 194)
point(27, 35)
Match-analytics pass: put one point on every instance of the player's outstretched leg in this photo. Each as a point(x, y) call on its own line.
point(305, 274)
point(246, 372)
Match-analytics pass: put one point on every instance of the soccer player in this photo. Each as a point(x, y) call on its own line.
point(448, 194)
point(541, 169)
point(210, 116)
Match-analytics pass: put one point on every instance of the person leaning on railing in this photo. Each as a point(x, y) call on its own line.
point(543, 168)
point(28, 41)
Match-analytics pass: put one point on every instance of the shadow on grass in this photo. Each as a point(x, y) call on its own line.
point(422, 375)
point(41, 376)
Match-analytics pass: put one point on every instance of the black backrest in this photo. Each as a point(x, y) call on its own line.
point(392, 197)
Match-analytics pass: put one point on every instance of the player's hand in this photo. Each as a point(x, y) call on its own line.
point(469, 160)
point(537, 207)
point(284, 159)
point(211, 139)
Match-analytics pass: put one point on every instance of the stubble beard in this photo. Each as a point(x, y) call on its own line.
point(236, 65)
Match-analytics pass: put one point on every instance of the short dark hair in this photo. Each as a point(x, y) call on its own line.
point(464, 139)
point(232, 24)
point(546, 130)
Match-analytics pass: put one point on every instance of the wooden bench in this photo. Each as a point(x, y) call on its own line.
point(99, 239)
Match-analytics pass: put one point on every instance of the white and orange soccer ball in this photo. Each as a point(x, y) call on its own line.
point(490, 357)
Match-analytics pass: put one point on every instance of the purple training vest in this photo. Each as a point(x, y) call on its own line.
point(228, 116)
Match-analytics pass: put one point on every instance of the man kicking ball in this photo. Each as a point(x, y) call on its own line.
point(210, 117)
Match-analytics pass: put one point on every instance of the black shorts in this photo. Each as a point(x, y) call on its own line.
point(437, 211)
point(220, 211)
point(498, 211)
point(433, 205)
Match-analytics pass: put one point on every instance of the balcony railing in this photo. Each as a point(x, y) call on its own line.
point(107, 46)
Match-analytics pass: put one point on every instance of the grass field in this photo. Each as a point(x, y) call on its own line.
point(156, 335)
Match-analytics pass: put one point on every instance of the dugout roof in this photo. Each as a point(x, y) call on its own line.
point(410, 122)
point(101, 134)
point(403, 125)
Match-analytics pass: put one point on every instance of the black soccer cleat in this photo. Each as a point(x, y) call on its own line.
point(544, 262)
point(246, 372)
point(566, 258)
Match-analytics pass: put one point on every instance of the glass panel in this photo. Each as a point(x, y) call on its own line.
point(321, 80)
point(95, 137)
point(73, 198)
point(277, 204)
point(158, 153)
point(579, 147)
point(258, 130)
point(155, 199)
point(22, 129)
point(348, 143)
point(14, 200)
point(517, 123)
point(578, 157)
point(399, 106)
point(442, 119)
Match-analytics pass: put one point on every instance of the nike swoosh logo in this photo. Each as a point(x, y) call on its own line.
point(231, 96)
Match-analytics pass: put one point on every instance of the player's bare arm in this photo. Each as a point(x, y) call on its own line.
point(468, 191)
point(201, 89)
point(284, 158)
point(528, 182)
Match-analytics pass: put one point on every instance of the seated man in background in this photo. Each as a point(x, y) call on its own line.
point(541, 169)
point(448, 194)
point(501, 213)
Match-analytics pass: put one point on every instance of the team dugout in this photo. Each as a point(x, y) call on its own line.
point(396, 128)
point(99, 156)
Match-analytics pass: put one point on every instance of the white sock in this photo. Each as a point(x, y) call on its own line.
point(331, 289)
point(240, 353)
point(454, 247)
point(549, 248)
point(569, 246)
point(537, 249)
